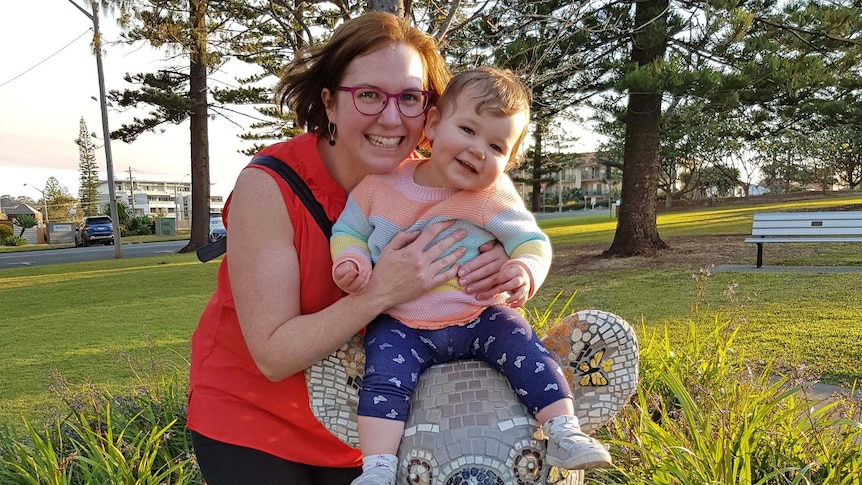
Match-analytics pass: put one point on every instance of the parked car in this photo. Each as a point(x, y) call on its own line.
point(217, 229)
point(94, 229)
point(217, 233)
point(215, 220)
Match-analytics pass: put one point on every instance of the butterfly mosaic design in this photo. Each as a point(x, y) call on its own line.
point(593, 370)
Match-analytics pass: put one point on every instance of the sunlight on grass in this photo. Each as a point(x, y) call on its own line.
point(781, 316)
point(127, 347)
point(43, 279)
point(712, 221)
point(117, 323)
point(113, 323)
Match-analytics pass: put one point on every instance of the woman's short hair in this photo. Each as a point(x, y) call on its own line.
point(323, 66)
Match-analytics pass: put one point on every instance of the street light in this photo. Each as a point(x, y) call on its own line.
point(44, 206)
point(44, 200)
point(97, 45)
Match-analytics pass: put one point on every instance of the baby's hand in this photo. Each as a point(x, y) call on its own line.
point(346, 276)
point(515, 280)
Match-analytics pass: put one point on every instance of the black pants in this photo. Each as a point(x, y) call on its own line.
point(225, 464)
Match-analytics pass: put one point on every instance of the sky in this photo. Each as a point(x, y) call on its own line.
point(40, 111)
point(48, 81)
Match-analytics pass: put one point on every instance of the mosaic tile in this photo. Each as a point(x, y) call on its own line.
point(466, 426)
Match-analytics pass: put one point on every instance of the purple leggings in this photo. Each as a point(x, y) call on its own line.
point(395, 355)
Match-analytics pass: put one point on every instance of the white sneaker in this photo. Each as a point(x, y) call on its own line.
point(572, 449)
point(375, 476)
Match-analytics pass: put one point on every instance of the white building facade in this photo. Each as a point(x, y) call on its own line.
point(582, 171)
point(156, 198)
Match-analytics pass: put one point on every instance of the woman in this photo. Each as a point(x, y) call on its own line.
point(276, 310)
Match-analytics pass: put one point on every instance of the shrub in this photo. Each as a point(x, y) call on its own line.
point(139, 226)
point(705, 415)
point(5, 232)
point(14, 241)
point(138, 438)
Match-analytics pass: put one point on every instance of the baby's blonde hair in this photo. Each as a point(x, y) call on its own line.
point(497, 92)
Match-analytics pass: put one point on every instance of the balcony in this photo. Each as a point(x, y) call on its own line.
point(589, 176)
point(594, 193)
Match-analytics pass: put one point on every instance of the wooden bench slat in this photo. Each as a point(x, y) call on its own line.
point(783, 216)
point(807, 231)
point(818, 223)
point(808, 227)
point(801, 239)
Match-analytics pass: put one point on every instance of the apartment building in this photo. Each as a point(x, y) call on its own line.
point(582, 171)
point(156, 198)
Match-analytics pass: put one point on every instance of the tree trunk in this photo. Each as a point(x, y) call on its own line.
point(389, 6)
point(637, 233)
point(537, 196)
point(200, 170)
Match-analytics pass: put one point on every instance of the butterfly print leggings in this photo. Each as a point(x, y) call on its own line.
point(395, 355)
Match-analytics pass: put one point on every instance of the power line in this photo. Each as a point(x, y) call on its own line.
point(45, 59)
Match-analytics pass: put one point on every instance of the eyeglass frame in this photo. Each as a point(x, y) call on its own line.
point(352, 90)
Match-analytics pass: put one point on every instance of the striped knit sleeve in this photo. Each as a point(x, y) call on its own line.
point(351, 231)
point(515, 227)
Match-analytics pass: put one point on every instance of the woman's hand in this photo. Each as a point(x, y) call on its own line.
point(407, 270)
point(481, 276)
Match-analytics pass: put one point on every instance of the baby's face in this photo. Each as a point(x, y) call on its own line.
point(471, 150)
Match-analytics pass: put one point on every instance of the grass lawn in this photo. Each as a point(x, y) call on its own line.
point(118, 324)
point(115, 324)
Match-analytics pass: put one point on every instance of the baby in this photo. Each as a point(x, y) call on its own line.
point(476, 128)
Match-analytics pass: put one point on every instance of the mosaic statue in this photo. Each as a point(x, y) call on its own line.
point(467, 427)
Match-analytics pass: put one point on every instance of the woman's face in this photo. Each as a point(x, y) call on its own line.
point(377, 143)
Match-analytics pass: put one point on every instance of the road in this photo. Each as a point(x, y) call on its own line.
point(555, 215)
point(95, 253)
point(92, 253)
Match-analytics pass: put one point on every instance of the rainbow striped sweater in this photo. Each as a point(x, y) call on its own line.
point(381, 206)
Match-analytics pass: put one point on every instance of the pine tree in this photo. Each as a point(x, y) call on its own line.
point(58, 200)
point(552, 46)
point(88, 196)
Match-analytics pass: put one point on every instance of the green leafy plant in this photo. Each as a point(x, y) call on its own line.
point(5, 232)
point(139, 226)
point(124, 212)
point(24, 221)
point(705, 415)
point(37, 462)
point(545, 319)
point(14, 241)
point(134, 439)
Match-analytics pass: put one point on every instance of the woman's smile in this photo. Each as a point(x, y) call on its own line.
point(384, 141)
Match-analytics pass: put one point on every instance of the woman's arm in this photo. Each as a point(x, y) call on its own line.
point(264, 272)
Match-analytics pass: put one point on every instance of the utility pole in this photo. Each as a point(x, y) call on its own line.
point(109, 162)
point(560, 191)
point(177, 214)
point(44, 206)
point(131, 192)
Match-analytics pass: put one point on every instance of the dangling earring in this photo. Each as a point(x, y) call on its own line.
point(332, 130)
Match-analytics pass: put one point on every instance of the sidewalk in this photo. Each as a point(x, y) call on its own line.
point(750, 268)
point(819, 391)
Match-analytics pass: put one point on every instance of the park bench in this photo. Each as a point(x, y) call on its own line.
point(804, 227)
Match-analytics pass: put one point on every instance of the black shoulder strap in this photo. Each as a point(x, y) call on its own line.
point(299, 187)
